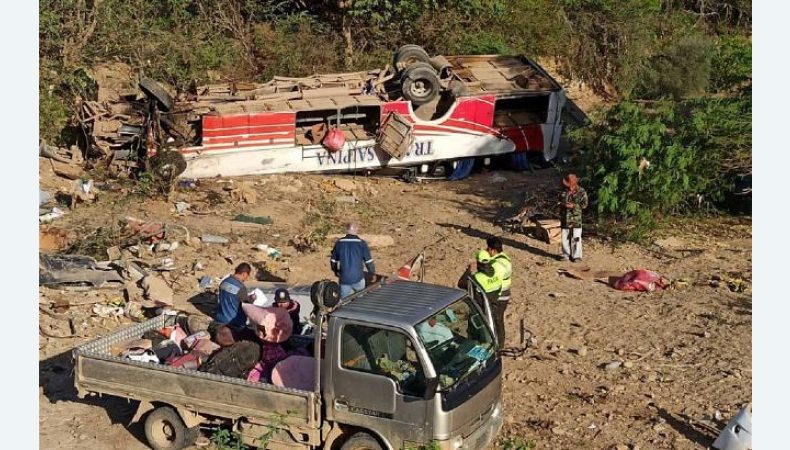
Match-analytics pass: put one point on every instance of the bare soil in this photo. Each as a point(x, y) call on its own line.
point(686, 351)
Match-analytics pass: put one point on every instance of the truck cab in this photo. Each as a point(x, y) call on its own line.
point(415, 364)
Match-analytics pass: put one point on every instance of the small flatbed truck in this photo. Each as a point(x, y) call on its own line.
point(401, 365)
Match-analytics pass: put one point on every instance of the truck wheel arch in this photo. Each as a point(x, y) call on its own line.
point(338, 435)
point(191, 419)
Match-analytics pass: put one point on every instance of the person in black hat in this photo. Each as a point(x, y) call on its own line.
point(282, 299)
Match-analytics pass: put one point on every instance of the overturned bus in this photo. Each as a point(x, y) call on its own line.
point(435, 115)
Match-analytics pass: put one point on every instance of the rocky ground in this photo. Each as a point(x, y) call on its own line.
point(682, 357)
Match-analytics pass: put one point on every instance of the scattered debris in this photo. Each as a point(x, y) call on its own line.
point(156, 291)
point(52, 239)
point(642, 280)
point(134, 311)
point(245, 192)
point(182, 207)
point(205, 282)
point(107, 311)
point(82, 192)
point(260, 220)
point(51, 215)
point(66, 170)
point(166, 246)
point(73, 271)
point(146, 231)
point(304, 244)
point(187, 184)
point(166, 264)
point(44, 197)
point(213, 239)
point(271, 252)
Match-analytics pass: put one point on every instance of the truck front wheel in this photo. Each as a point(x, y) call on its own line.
point(361, 441)
point(165, 430)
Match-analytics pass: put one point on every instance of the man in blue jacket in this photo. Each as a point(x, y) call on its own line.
point(349, 255)
point(232, 292)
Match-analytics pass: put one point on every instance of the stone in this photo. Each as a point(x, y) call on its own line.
point(346, 185)
point(70, 171)
point(114, 253)
point(346, 199)
point(156, 291)
point(614, 365)
point(581, 351)
point(628, 364)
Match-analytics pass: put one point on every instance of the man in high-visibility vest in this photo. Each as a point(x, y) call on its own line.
point(482, 273)
point(503, 269)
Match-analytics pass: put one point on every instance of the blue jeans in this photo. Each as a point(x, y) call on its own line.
point(348, 289)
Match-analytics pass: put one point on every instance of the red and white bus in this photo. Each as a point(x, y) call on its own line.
point(420, 113)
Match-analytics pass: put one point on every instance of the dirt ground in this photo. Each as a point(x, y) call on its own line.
point(686, 351)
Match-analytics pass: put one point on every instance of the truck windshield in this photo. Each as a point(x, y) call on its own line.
point(458, 342)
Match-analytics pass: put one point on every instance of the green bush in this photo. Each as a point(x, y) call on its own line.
point(682, 68)
point(732, 63)
point(645, 160)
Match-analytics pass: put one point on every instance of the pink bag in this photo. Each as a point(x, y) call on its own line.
point(276, 321)
point(640, 280)
point(334, 140)
point(297, 372)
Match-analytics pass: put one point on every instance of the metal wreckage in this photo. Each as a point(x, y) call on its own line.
point(435, 116)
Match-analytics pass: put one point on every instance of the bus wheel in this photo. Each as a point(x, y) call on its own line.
point(361, 441)
point(408, 55)
point(164, 430)
point(156, 91)
point(419, 83)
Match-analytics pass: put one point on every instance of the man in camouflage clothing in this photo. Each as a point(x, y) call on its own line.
point(573, 199)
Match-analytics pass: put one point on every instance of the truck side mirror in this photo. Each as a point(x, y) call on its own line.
point(430, 388)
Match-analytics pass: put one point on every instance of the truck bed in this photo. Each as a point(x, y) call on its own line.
point(98, 371)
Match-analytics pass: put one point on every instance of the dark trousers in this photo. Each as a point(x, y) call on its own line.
point(498, 308)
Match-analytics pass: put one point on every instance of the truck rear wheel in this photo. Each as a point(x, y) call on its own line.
point(361, 441)
point(165, 430)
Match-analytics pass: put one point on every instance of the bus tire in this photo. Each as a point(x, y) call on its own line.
point(165, 430)
point(420, 83)
point(361, 441)
point(409, 54)
point(157, 92)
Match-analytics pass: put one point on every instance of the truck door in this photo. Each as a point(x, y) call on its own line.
point(378, 383)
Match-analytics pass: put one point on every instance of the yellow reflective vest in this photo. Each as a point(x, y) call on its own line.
point(489, 284)
point(503, 269)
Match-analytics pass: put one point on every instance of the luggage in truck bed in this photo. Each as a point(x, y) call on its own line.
point(97, 370)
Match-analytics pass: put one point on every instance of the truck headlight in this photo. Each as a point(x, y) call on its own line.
point(497, 410)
